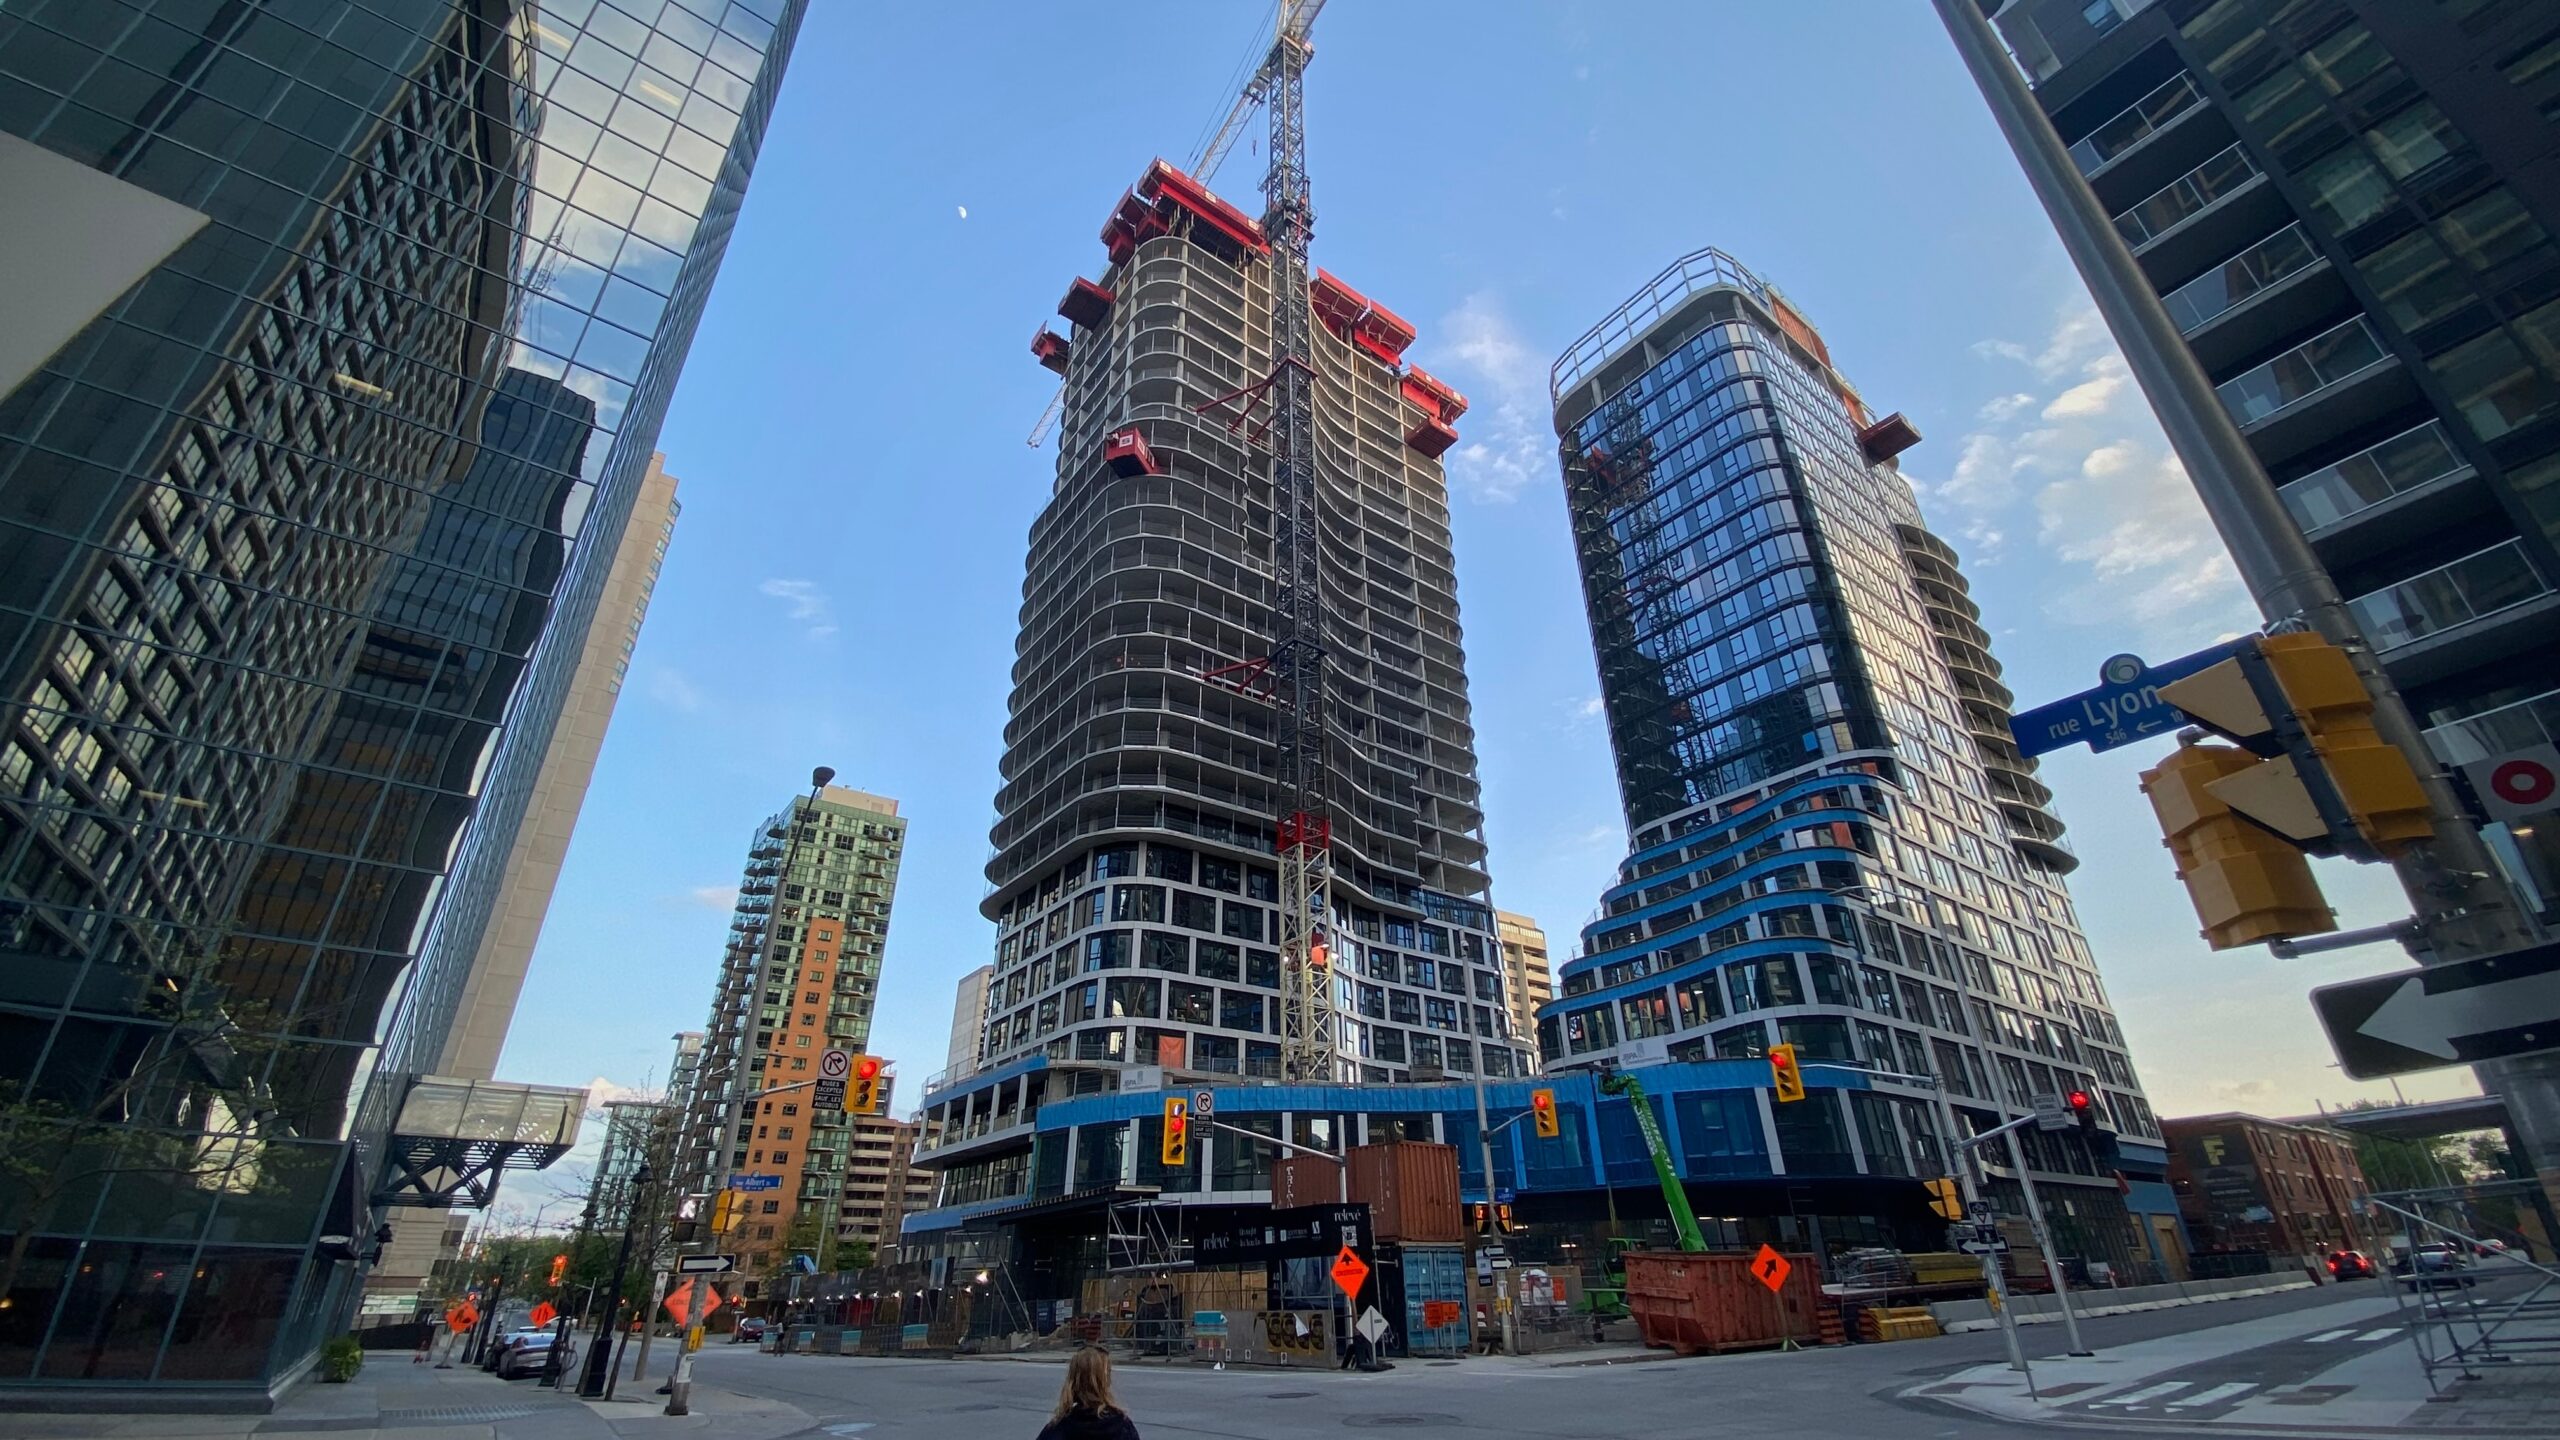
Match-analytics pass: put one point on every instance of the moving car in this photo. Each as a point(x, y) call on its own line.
point(2349, 1265)
point(2434, 1267)
point(528, 1352)
point(750, 1330)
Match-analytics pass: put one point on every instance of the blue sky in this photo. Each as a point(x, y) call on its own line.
point(843, 586)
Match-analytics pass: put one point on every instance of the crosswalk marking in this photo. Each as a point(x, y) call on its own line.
point(2144, 1396)
point(2216, 1395)
point(2325, 1338)
point(2383, 1334)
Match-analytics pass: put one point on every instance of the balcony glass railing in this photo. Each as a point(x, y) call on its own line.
point(2165, 207)
point(2367, 478)
point(2286, 252)
point(2134, 124)
point(2509, 728)
point(2301, 372)
point(2470, 588)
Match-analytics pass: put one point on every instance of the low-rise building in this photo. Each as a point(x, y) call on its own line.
point(2245, 1182)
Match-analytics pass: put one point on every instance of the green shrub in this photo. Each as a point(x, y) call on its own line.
point(340, 1359)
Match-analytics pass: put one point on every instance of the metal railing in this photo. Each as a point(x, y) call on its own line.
point(2221, 289)
point(2438, 1300)
point(2302, 372)
point(2134, 124)
point(2471, 588)
point(2365, 479)
point(2165, 208)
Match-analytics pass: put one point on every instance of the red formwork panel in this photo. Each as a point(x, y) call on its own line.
point(1086, 303)
point(1127, 454)
point(1431, 437)
point(1705, 1304)
point(1051, 349)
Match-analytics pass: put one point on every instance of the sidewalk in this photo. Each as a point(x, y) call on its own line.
point(393, 1398)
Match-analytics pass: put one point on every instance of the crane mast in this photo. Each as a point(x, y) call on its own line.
point(1309, 1048)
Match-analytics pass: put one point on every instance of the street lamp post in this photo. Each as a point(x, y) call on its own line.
point(561, 1328)
point(600, 1359)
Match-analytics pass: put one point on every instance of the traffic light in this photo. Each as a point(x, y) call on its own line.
point(1502, 1219)
point(1484, 1219)
point(724, 1212)
point(2084, 1108)
point(2329, 782)
point(866, 1097)
point(1784, 1076)
point(559, 1269)
point(1946, 1199)
point(1177, 1133)
point(2246, 884)
point(1542, 1114)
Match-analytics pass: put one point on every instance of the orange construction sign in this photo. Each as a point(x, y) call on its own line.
point(462, 1317)
point(542, 1316)
point(1350, 1272)
point(680, 1302)
point(1771, 1268)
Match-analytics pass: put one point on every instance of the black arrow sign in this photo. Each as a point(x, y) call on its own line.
point(2456, 1014)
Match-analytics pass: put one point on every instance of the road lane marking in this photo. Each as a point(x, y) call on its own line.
point(2331, 1335)
point(2144, 1396)
point(2216, 1395)
point(2372, 1335)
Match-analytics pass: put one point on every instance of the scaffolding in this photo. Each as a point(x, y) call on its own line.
point(2455, 1331)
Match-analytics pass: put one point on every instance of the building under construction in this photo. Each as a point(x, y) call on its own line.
point(1136, 875)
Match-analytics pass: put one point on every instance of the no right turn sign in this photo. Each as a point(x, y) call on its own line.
point(2517, 784)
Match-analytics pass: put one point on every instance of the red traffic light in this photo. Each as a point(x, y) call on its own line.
point(2078, 1100)
point(1541, 1099)
point(868, 1067)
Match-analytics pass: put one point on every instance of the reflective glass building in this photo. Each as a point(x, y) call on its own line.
point(353, 328)
point(1836, 845)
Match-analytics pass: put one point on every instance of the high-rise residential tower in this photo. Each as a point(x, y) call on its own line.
point(1525, 968)
point(968, 1020)
point(2348, 207)
point(1835, 844)
point(798, 977)
point(337, 348)
point(1134, 881)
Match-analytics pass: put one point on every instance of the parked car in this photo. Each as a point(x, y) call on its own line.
point(528, 1352)
point(2349, 1265)
point(748, 1332)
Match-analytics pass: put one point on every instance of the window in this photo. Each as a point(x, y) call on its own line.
point(1589, 1030)
point(1160, 951)
point(1168, 862)
point(2492, 385)
point(2101, 15)
point(1645, 1015)
point(1244, 922)
point(1215, 960)
point(1240, 1010)
point(1700, 1004)
point(2490, 230)
point(1190, 1004)
point(1195, 912)
point(2416, 280)
point(1404, 1007)
point(2413, 140)
point(2346, 188)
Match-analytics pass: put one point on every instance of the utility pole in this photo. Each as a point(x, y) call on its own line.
point(1493, 1197)
point(2462, 906)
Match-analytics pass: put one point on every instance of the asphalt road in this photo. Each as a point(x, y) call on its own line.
point(1804, 1396)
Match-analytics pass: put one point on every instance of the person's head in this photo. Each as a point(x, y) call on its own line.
point(1088, 1386)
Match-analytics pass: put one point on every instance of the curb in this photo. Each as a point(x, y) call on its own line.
point(2054, 1317)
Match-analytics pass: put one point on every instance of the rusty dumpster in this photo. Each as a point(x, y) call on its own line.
point(1705, 1304)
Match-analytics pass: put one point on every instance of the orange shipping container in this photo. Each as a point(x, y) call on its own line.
point(1411, 1189)
point(1708, 1303)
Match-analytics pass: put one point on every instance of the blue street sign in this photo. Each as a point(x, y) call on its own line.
point(2124, 708)
point(1503, 1196)
point(755, 1182)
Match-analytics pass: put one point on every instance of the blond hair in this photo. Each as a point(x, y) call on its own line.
point(1088, 1384)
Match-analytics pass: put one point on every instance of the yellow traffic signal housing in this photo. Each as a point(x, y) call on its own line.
point(559, 1269)
point(1946, 1199)
point(2329, 782)
point(1176, 1151)
point(724, 1212)
point(865, 1097)
point(1542, 1114)
point(1785, 1077)
point(2247, 885)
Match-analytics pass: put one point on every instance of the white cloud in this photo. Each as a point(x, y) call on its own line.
point(1507, 450)
point(712, 897)
point(805, 603)
point(668, 686)
point(2077, 461)
point(601, 1091)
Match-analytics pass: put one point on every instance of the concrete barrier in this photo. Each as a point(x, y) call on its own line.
point(1956, 1317)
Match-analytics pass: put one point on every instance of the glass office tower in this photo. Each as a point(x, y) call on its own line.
point(362, 322)
point(1836, 845)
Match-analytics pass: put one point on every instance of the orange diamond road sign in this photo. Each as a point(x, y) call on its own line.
point(1350, 1272)
point(1771, 1268)
point(542, 1316)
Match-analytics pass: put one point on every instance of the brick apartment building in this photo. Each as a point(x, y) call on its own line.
point(2244, 1182)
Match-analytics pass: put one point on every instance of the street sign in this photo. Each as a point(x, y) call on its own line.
point(2052, 1113)
point(2124, 708)
point(1980, 1212)
point(1372, 1325)
point(705, 1264)
point(542, 1316)
point(1504, 1195)
point(1771, 1268)
point(755, 1182)
point(1204, 1103)
point(827, 1096)
point(2455, 1014)
point(1484, 1268)
point(1978, 1239)
point(834, 1064)
point(1350, 1272)
point(2517, 784)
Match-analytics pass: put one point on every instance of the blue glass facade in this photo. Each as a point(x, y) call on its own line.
point(1836, 844)
point(300, 535)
